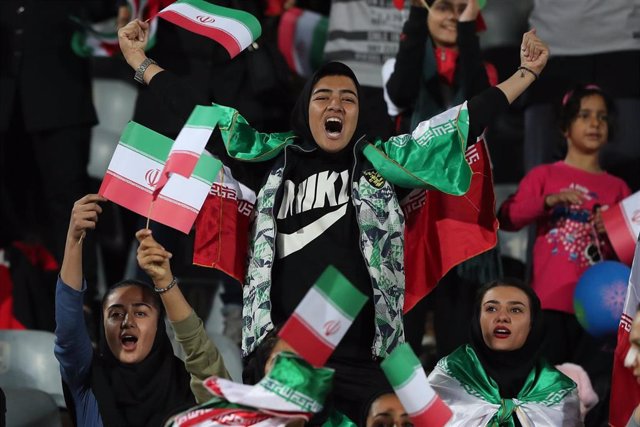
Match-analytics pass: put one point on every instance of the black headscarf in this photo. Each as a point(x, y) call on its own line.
point(300, 113)
point(145, 393)
point(387, 389)
point(509, 369)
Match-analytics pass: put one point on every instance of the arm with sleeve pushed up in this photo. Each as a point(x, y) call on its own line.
point(527, 204)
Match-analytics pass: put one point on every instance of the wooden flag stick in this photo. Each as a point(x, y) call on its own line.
point(425, 5)
point(84, 233)
point(149, 215)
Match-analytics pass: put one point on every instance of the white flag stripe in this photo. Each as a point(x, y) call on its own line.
point(229, 181)
point(439, 120)
point(416, 394)
point(631, 302)
point(234, 28)
point(250, 395)
point(192, 139)
point(629, 207)
point(133, 165)
point(316, 310)
point(189, 191)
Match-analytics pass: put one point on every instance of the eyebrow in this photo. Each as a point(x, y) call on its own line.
point(508, 302)
point(341, 91)
point(138, 304)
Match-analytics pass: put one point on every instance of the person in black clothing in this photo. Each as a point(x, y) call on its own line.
point(354, 222)
point(443, 41)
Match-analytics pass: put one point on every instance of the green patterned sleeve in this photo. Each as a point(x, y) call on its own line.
point(432, 156)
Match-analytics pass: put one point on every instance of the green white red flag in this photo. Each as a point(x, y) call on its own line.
point(302, 35)
point(234, 29)
point(622, 223)
point(134, 171)
point(408, 379)
point(189, 145)
point(101, 38)
point(323, 317)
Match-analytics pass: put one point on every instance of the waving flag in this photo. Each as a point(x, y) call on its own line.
point(441, 230)
point(189, 144)
point(622, 223)
point(625, 390)
point(134, 171)
point(234, 29)
point(302, 35)
point(323, 317)
point(101, 38)
point(405, 374)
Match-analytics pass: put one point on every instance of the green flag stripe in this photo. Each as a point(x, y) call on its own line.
point(203, 117)
point(146, 142)
point(400, 366)
point(247, 19)
point(340, 292)
point(207, 168)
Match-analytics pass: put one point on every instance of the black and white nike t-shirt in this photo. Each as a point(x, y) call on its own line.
point(317, 227)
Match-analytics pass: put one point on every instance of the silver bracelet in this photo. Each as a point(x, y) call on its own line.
point(139, 75)
point(171, 285)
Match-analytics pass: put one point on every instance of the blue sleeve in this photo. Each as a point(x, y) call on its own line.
point(72, 347)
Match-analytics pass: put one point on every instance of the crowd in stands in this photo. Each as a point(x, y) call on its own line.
point(334, 156)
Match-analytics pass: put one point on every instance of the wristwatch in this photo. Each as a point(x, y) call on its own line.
point(141, 69)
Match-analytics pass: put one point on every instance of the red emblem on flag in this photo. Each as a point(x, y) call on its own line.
point(205, 19)
point(331, 327)
point(152, 177)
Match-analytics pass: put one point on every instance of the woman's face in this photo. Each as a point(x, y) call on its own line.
point(505, 318)
point(130, 323)
point(443, 21)
point(333, 112)
point(387, 411)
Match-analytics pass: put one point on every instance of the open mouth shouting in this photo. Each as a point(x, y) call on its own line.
point(333, 127)
point(128, 341)
point(501, 332)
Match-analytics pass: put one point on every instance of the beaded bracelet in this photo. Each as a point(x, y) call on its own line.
point(171, 285)
point(522, 69)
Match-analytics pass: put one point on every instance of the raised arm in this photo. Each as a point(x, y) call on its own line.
point(202, 358)
point(534, 54)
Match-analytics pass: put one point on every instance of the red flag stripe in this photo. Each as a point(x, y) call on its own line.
point(620, 233)
point(138, 199)
point(311, 346)
point(437, 413)
point(287, 35)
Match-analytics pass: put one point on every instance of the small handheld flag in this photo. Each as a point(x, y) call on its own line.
point(234, 29)
point(409, 381)
point(323, 317)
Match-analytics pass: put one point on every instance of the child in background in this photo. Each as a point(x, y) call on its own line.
point(564, 199)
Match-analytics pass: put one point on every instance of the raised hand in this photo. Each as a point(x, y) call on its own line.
point(470, 12)
point(534, 53)
point(567, 197)
point(84, 216)
point(154, 259)
point(133, 39)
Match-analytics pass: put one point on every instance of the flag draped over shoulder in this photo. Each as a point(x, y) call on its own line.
point(323, 317)
point(101, 38)
point(302, 35)
point(625, 390)
point(408, 379)
point(234, 29)
point(442, 230)
point(135, 169)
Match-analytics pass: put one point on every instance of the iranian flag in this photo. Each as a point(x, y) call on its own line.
point(460, 227)
point(234, 29)
point(405, 374)
point(622, 223)
point(323, 317)
point(134, 171)
point(302, 35)
point(625, 390)
point(189, 144)
point(222, 229)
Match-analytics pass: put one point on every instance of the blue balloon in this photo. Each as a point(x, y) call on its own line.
point(599, 297)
